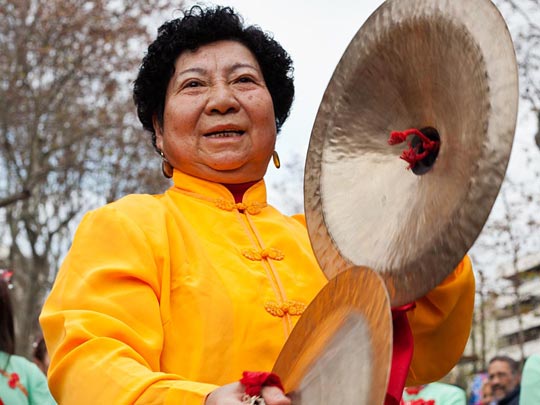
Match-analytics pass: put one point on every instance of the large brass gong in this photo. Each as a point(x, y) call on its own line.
point(449, 65)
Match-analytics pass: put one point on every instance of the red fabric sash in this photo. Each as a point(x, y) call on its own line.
point(402, 353)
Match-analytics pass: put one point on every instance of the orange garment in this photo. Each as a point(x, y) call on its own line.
point(441, 323)
point(163, 298)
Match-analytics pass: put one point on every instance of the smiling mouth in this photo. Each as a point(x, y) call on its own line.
point(224, 134)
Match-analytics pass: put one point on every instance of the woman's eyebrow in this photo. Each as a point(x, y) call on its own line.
point(177, 79)
point(192, 70)
point(237, 66)
point(203, 71)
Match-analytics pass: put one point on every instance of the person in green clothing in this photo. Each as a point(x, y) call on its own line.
point(434, 394)
point(530, 381)
point(21, 381)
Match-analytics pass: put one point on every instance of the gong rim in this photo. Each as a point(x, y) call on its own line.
point(356, 295)
point(423, 248)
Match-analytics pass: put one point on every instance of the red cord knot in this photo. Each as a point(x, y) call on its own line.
point(268, 253)
point(415, 153)
point(414, 390)
point(293, 308)
point(13, 380)
point(254, 381)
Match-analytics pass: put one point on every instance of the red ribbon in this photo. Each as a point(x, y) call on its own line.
point(401, 354)
point(254, 381)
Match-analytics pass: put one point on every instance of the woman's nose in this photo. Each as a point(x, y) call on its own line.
point(222, 100)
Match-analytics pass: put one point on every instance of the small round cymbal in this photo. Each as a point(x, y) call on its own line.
point(340, 350)
point(414, 64)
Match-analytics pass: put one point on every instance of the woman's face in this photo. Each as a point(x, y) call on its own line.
point(218, 122)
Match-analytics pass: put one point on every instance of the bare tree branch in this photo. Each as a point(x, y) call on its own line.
point(68, 132)
point(4, 202)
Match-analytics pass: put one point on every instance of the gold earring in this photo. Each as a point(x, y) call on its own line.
point(166, 167)
point(275, 158)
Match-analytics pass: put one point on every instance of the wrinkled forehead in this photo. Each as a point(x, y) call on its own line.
point(219, 53)
point(499, 367)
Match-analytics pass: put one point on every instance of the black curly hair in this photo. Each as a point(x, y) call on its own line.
point(199, 27)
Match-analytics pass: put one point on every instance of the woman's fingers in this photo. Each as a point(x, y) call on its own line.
point(229, 394)
point(274, 396)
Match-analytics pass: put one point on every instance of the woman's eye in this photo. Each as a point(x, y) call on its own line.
point(245, 79)
point(191, 84)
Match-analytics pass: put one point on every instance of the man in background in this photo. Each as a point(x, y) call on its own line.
point(504, 378)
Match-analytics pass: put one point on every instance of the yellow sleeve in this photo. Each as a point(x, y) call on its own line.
point(103, 321)
point(441, 323)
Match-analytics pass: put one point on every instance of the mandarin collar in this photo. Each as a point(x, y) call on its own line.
point(205, 189)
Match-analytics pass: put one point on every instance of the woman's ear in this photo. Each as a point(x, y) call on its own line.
point(158, 129)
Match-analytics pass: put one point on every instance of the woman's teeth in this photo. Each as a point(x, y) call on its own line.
point(225, 134)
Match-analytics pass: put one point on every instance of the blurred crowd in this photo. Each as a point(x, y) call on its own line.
point(504, 383)
point(22, 381)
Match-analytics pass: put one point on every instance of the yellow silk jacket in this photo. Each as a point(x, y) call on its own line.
point(163, 298)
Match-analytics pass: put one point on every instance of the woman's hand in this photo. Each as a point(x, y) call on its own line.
point(231, 394)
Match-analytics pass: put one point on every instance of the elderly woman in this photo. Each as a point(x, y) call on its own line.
point(167, 299)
